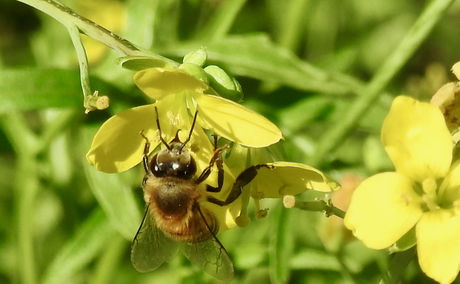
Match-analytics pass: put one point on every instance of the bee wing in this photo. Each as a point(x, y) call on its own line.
point(211, 256)
point(150, 246)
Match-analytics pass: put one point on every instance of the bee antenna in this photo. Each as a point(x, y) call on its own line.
point(159, 130)
point(191, 130)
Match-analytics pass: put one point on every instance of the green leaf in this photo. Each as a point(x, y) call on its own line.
point(282, 246)
point(26, 89)
point(314, 259)
point(23, 89)
point(90, 239)
point(221, 20)
point(115, 197)
point(256, 56)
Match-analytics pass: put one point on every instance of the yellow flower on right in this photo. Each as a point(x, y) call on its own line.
point(422, 194)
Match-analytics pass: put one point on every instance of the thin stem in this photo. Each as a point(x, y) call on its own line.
point(107, 263)
point(221, 21)
point(68, 17)
point(397, 266)
point(82, 62)
point(414, 38)
point(320, 206)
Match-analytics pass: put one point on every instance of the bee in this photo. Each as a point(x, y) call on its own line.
point(174, 218)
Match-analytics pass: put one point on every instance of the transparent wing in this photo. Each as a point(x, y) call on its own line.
point(210, 255)
point(150, 246)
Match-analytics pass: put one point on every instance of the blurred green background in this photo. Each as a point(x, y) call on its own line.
point(301, 63)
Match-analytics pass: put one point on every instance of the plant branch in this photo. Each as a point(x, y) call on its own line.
point(319, 205)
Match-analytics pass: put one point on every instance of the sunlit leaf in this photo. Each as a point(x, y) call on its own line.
point(88, 242)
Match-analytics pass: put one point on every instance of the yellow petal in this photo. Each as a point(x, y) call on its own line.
point(286, 178)
point(236, 122)
point(438, 245)
point(160, 82)
point(118, 145)
point(417, 140)
point(383, 208)
point(449, 191)
point(225, 215)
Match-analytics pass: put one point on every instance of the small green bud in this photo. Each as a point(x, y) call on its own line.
point(195, 71)
point(197, 57)
point(224, 85)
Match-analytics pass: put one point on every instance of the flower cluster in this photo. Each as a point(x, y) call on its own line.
point(178, 94)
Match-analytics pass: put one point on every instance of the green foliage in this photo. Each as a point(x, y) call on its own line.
point(324, 71)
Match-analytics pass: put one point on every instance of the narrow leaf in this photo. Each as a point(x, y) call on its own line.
point(115, 197)
point(90, 239)
point(256, 56)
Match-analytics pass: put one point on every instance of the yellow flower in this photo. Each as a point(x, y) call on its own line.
point(275, 179)
point(423, 194)
point(447, 99)
point(118, 146)
point(224, 117)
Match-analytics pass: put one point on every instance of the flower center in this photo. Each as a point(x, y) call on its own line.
point(435, 197)
point(429, 194)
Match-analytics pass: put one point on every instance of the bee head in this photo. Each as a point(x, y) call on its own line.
point(174, 161)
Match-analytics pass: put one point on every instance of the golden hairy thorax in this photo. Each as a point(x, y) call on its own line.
point(173, 203)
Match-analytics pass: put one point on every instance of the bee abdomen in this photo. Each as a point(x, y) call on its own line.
point(195, 229)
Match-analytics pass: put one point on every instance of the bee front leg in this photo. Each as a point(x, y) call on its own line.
point(216, 159)
point(145, 156)
point(242, 180)
point(220, 176)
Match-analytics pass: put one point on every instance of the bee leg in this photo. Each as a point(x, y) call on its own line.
point(216, 159)
point(145, 156)
point(242, 180)
point(220, 176)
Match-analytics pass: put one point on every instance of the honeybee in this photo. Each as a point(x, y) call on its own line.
point(173, 217)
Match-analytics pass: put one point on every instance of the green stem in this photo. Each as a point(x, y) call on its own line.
point(82, 62)
point(282, 246)
point(107, 263)
point(320, 206)
point(221, 22)
point(26, 190)
point(398, 264)
point(26, 185)
point(292, 23)
point(414, 38)
point(68, 17)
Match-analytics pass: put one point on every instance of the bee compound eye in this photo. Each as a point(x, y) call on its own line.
point(189, 170)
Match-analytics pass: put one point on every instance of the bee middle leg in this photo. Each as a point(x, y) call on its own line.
point(242, 180)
